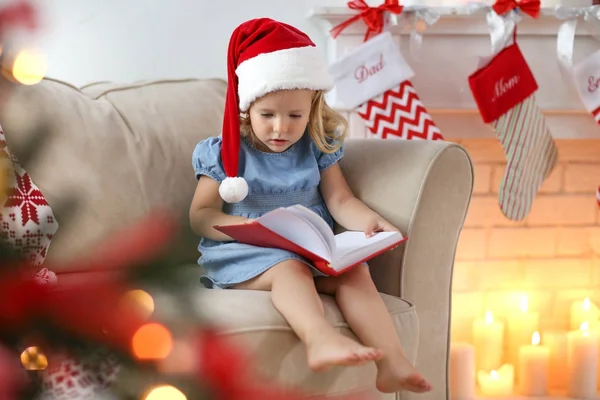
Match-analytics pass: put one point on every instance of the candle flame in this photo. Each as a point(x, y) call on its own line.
point(584, 327)
point(586, 304)
point(535, 338)
point(494, 374)
point(489, 317)
point(524, 303)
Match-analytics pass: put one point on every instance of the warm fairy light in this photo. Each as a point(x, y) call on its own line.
point(535, 338)
point(489, 317)
point(33, 359)
point(142, 301)
point(524, 303)
point(29, 67)
point(152, 342)
point(165, 393)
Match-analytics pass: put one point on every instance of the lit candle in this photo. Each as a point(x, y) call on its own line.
point(556, 342)
point(497, 383)
point(488, 339)
point(462, 371)
point(533, 368)
point(583, 311)
point(582, 363)
point(520, 327)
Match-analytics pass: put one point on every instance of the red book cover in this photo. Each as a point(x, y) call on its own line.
point(258, 235)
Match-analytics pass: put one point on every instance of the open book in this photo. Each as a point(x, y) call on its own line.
point(302, 231)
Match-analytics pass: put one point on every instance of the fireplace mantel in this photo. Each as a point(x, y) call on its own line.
point(449, 54)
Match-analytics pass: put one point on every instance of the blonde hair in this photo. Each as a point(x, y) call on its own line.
point(327, 127)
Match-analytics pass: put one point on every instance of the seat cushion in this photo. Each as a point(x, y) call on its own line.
point(250, 318)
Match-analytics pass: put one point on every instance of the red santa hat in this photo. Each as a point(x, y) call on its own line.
point(264, 56)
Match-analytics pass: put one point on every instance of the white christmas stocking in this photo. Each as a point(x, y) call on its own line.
point(374, 80)
point(586, 75)
point(504, 91)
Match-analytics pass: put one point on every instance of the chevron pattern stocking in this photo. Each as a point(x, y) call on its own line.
point(399, 114)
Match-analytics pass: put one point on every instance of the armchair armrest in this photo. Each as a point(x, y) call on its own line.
point(423, 188)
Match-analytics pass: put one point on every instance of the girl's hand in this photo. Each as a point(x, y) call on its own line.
point(378, 224)
point(249, 220)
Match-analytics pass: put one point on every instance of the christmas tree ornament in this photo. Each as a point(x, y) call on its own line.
point(504, 89)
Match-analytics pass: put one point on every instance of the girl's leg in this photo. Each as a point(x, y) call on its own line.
point(295, 297)
point(369, 319)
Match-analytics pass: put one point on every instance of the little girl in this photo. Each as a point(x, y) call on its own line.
point(286, 144)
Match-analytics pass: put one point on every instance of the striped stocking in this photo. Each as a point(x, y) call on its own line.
point(504, 90)
point(398, 113)
point(531, 156)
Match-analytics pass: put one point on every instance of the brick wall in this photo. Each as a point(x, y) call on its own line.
point(552, 256)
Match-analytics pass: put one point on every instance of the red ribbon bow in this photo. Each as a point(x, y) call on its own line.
point(372, 16)
point(531, 7)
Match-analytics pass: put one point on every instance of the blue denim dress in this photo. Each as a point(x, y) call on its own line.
point(274, 180)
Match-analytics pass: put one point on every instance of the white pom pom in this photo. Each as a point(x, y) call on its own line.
point(233, 190)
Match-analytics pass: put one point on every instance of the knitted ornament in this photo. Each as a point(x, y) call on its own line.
point(264, 56)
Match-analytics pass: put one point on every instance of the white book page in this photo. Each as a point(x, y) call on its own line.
point(352, 246)
point(297, 230)
point(318, 222)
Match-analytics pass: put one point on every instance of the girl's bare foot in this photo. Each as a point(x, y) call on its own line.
point(398, 374)
point(332, 349)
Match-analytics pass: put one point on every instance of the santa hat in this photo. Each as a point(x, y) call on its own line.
point(264, 56)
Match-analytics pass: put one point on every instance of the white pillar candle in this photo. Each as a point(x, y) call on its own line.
point(583, 311)
point(556, 342)
point(520, 327)
point(533, 368)
point(497, 383)
point(488, 339)
point(582, 363)
point(462, 371)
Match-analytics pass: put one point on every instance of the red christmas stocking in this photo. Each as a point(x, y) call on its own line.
point(504, 93)
point(399, 114)
point(374, 80)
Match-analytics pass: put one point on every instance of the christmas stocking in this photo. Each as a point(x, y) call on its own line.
point(586, 75)
point(504, 93)
point(374, 79)
point(399, 114)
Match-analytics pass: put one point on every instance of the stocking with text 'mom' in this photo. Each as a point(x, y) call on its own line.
point(504, 91)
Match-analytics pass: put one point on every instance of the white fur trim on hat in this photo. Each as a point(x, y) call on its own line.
point(296, 68)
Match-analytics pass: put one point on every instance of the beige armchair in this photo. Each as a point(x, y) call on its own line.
point(126, 149)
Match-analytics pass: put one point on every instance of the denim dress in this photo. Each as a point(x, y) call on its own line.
point(274, 180)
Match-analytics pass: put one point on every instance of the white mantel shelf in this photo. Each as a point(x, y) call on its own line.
point(453, 20)
point(450, 52)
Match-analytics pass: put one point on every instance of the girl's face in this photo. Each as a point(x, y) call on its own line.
point(279, 119)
